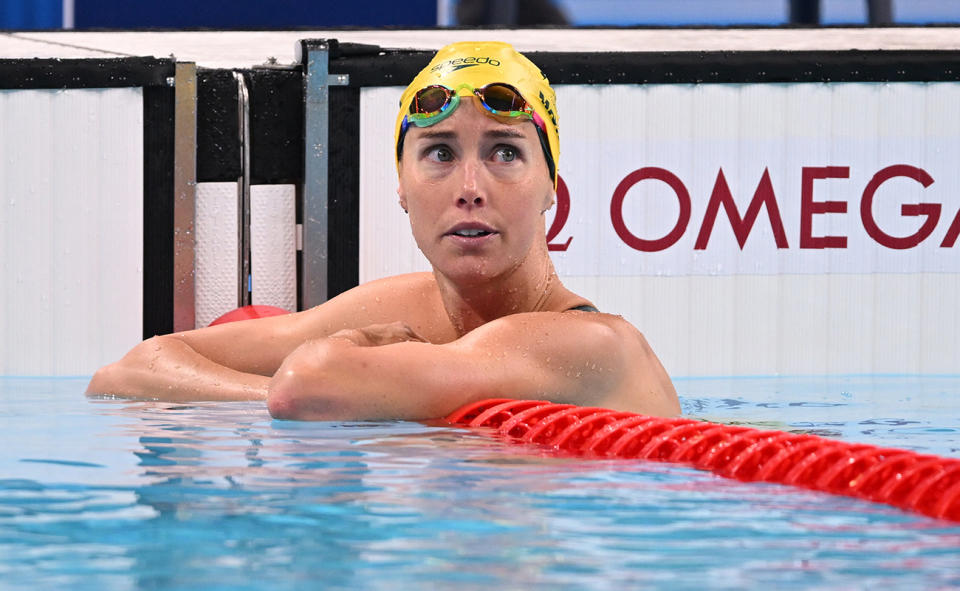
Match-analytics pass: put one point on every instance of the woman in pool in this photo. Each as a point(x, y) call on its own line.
point(477, 149)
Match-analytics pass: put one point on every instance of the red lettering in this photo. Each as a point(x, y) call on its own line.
point(742, 226)
point(952, 233)
point(809, 207)
point(560, 219)
point(616, 209)
point(931, 210)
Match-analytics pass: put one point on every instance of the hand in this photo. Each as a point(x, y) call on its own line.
point(377, 335)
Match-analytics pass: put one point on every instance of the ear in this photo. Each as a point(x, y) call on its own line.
point(548, 201)
point(403, 200)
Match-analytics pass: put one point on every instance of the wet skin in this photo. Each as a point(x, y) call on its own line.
point(491, 319)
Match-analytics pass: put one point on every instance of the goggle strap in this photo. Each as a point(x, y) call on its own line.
point(545, 146)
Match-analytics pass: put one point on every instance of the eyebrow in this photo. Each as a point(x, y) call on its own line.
point(508, 133)
point(504, 132)
point(434, 134)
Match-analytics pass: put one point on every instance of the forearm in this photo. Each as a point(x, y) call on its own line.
point(166, 368)
point(336, 379)
point(307, 385)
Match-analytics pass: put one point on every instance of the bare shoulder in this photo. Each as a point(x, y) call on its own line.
point(412, 298)
point(259, 346)
point(392, 289)
point(610, 362)
point(575, 330)
point(645, 385)
point(422, 281)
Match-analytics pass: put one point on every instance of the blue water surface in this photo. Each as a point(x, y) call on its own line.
point(113, 494)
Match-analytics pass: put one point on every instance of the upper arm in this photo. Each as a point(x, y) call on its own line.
point(560, 357)
point(260, 346)
point(566, 358)
point(582, 358)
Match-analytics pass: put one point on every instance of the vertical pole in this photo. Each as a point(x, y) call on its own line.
point(68, 14)
point(315, 56)
point(184, 202)
point(805, 12)
point(880, 12)
point(444, 13)
point(243, 192)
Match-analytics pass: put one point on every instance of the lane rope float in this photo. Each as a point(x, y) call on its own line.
point(921, 483)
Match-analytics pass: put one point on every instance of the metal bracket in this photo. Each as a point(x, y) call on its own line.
point(314, 55)
point(185, 193)
point(244, 283)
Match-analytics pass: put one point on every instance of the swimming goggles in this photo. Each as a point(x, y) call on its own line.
point(433, 104)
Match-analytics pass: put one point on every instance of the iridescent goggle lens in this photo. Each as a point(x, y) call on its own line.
point(434, 103)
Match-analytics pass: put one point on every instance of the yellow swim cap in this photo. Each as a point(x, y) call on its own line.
point(478, 63)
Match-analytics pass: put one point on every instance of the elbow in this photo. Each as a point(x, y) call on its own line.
point(302, 390)
point(117, 378)
point(282, 403)
point(284, 400)
point(102, 381)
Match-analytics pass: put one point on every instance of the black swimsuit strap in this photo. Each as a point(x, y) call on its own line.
point(584, 308)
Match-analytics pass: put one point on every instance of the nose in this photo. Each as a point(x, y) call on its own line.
point(471, 195)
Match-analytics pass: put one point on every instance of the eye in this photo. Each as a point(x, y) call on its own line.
point(439, 153)
point(506, 153)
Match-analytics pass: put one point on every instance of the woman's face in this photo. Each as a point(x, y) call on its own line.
point(476, 189)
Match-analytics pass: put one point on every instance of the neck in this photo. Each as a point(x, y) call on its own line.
point(529, 287)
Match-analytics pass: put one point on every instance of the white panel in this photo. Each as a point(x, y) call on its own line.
point(273, 245)
point(790, 324)
point(71, 228)
point(218, 272)
point(761, 309)
point(693, 132)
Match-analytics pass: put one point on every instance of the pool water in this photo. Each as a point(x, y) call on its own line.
point(113, 494)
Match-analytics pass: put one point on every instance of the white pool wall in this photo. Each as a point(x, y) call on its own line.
point(71, 228)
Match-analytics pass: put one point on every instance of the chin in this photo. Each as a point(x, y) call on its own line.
point(469, 270)
point(468, 273)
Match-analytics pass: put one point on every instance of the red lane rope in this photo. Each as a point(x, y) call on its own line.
point(925, 484)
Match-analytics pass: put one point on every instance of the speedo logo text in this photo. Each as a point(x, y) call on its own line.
point(464, 62)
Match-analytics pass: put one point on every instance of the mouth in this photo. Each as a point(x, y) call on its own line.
point(470, 232)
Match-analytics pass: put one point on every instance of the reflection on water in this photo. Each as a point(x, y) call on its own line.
point(109, 494)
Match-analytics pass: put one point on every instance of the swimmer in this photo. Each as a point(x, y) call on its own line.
point(477, 151)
